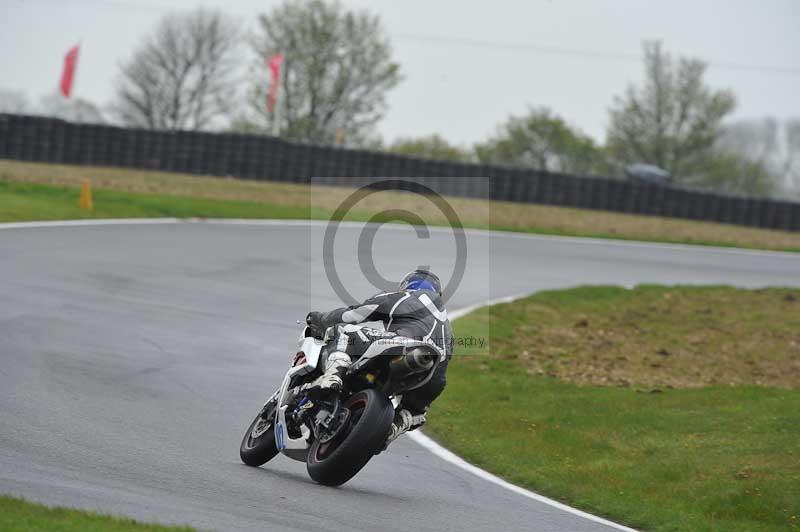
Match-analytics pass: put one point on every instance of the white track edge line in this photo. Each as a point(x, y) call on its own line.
point(454, 459)
point(459, 462)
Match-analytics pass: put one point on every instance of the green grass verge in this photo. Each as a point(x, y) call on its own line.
point(31, 201)
point(707, 458)
point(22, 201)
point(19, 515)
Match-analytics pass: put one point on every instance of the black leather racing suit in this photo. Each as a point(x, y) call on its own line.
point(418, 314)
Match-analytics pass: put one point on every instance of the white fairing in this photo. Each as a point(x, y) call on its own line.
point(311, 348)
point(296, 447)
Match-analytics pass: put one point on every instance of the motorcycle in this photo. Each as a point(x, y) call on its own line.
point(338, 434)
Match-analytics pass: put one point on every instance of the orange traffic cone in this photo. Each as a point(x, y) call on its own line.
point(85, 201)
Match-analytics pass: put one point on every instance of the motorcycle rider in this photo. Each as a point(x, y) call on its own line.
point(415, 311)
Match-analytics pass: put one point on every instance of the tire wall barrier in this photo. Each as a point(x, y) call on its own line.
point(49, 140)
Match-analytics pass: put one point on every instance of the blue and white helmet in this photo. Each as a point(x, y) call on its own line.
point(421, 280)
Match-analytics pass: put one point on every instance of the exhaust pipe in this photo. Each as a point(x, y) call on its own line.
point(413, 361)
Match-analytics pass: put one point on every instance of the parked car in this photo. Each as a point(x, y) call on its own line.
point(647, 173)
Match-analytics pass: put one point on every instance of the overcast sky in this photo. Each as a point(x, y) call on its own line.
point(454, 86)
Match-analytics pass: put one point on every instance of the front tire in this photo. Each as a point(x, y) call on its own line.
point(258, 445)
point(335, 462)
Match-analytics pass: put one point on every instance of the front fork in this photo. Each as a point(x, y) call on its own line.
point(272, 398)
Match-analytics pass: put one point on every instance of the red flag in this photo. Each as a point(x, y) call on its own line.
point(274, 66)
point(68, 74)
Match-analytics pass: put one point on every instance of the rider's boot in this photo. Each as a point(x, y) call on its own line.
point(403, 422)
point(330, 381)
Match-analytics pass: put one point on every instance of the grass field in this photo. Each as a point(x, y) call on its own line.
point(18, 515)
point(122, 193)
point(614, 401)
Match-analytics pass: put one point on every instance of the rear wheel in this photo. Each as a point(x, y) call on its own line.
point(337, 460)
point(258, 445)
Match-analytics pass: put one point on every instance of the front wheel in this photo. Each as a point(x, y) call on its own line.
point(258, 445)
point(336, 461)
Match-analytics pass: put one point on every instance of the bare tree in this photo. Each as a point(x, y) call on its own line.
point(183, 75)
point(72, 109)
point(337, 68)
point(766, 141)
point(792, 129)
point(14, 102)
point(673, 120)
point(756, 140)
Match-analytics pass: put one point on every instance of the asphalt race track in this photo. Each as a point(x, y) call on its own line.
point(132, 358)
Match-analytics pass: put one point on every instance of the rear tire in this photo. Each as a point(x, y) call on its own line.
point(336, 462)
point(258, 445)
